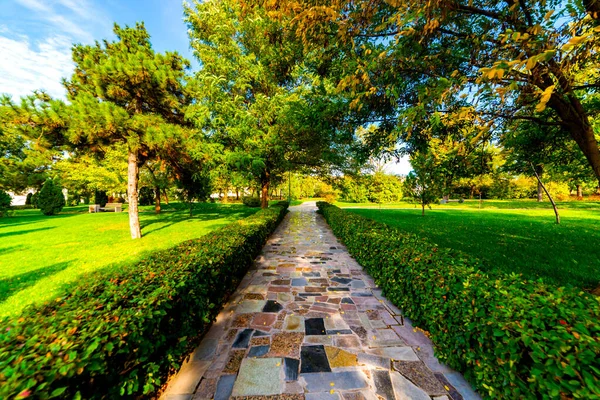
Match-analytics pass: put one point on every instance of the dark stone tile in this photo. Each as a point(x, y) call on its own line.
point(360, 331)
point(338, 289)
point(362, 294)
point(260, 333)
point(383, 384)
point(340, 332)
point(311, 274)
point(243, 339)
point(299, 282)
point(336, 271)
point(272, 306)
point(332, 248)
point(420, 375)
point(309, 294)
point(314, 359)
point(224, 387)
point(314, 326)
point(291, 369)
point(452, 392)
point(343, 281)
point(347, 300)
point(258, 351)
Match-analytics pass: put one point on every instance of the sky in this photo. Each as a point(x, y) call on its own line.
point(36, 38)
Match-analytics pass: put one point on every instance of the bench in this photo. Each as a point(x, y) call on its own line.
point(116, 207)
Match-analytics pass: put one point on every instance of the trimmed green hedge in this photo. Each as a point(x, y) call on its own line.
point(121, 335)
point(512, 338)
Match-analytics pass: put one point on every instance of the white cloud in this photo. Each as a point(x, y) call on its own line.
point(25, 67)
point(36, 41)
point(74, 18)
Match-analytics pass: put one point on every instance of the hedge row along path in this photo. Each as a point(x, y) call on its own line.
point(308, 323)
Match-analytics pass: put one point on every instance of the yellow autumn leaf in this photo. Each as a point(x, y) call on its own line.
point(548, 15)
point(544, 98)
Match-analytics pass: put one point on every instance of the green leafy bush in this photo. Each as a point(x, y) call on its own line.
point(100, 197)
point(251, 201)
point(146, 196)
point(511, 337)
point(118, 335)
point(5, 201)
point(50, 200)
point(28, 199)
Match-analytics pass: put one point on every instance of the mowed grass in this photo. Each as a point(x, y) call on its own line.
point(523, 238)
point(40, 255)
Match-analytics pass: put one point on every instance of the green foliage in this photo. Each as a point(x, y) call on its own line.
point(119, 335)
point(511, 337)
point(28, 198)
point(100, 197)
point(5, 201)
point(384, 188)
point(146, 196)
point(251, 201)
point(50, 200)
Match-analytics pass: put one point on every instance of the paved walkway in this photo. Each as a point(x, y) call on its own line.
point(308, 323)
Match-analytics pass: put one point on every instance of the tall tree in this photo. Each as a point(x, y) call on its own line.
point(499, 61)
point(252, 93)
point(125, 92)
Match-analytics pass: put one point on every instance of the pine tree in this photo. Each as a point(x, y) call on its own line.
point(50, 199)
point(125, 92)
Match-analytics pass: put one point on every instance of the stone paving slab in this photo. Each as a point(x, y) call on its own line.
point(307, 322)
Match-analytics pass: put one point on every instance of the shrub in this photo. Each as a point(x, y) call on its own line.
point(28, 198)
point(5, 201)
point(330, 198)
point(100, 197)
point(119, 334)
point(511, 337)
point(50, 199)
point(251, 201)
point(146, 196)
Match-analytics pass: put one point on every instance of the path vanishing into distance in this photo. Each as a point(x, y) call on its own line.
point(307, 322)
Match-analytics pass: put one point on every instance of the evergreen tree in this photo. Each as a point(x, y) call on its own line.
point(50, 199)
point(125, 92)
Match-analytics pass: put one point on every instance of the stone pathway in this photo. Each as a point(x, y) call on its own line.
point(308, 323)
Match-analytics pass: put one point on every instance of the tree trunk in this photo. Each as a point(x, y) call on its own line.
point(547, 194)
point(540, 192)
point(157, 200)
point(264, 198)
point(166, 197)
point(579, 192)
point(576, 120)
point(226, 195)
point(237, 193)
point(132, 191)
point(191, 209)
point(423, 209)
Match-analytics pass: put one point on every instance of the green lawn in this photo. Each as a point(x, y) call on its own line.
point(39, 255)
point(521, 239)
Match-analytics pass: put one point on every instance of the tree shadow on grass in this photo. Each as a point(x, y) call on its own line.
point(14, 284)
point(205, 212)
point(31, 219)
point(23, 232)
point(11, 249)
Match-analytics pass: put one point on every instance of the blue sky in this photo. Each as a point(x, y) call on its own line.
point(36, 38)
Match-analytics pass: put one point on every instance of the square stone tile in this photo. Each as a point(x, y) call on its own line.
point(259, 377)
point(224, 387)
point(345, 380)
